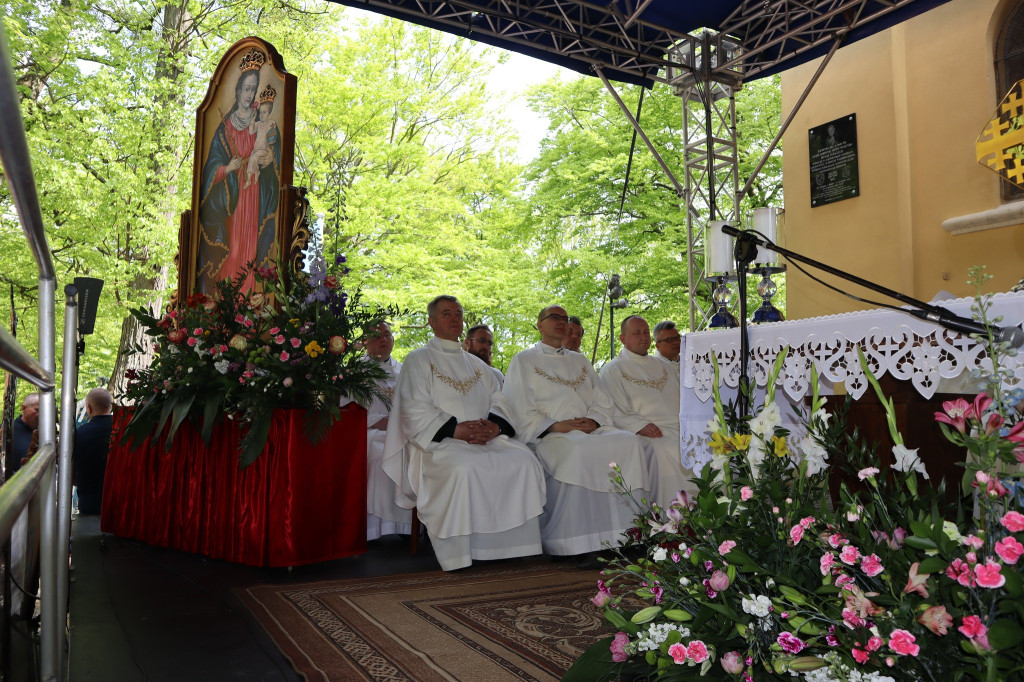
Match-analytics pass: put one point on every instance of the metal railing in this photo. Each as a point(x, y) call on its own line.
point(50, 467)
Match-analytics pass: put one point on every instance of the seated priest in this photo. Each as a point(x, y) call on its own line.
point(645, 390)
point(450, 446)
point(383, 515)
point(667, 341)
point(480, 342)
point(563, 411)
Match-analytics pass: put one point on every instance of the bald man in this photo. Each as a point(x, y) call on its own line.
point(92, 442)
point(645, 390)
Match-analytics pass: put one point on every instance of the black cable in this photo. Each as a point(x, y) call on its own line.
point(830, 286)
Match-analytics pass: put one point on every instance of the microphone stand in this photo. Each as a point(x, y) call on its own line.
point(745, 252)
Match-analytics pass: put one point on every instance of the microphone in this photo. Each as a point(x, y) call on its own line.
point(934, 314)
point(942, 317)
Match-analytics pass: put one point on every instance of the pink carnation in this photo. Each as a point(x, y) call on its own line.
point(972, 627)
point(1009, 550)
point(296, 342)
point(726, 547)
point(746, 493)
point(973, 541)
point(861, 656)
point(678, 653)
point(618, 647)
point(988, 574)
point(790, 643)
point(836, 541)
point(825, 563)
point(698, 651)
point(849, 555)
point(796, 534)
point(902, 642)
point(875, 643)
point(871, 565)
point(1013, 521)
point(806, 522)
point(284, 356)
point(867, 473)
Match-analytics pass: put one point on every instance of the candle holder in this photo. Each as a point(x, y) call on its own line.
point(721, 295)
point(766, 289)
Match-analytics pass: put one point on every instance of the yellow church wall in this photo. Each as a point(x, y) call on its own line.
point(922, 93)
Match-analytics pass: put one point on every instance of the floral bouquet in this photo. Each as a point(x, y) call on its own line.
point(762, 577)
point(242, 354)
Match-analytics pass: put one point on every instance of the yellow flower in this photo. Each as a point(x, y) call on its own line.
point(719, 445)
point(313, 349)
point(781, 447)
point(741, 441)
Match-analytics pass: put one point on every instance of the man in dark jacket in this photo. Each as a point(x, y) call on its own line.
point(21, 432)
point(92, 441)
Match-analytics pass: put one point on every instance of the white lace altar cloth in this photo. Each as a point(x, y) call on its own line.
point(908, 348)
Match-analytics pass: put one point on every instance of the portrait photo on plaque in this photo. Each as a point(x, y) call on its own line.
point(833, 159)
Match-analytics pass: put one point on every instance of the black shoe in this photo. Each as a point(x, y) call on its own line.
point(589, 561)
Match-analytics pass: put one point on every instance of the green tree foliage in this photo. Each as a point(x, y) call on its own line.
point(410, 170)
point(574, 224)
point(108, 92)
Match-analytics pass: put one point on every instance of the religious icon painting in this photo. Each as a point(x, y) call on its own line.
point(245, 148)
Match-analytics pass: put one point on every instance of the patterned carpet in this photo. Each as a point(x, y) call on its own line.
point(526, 621)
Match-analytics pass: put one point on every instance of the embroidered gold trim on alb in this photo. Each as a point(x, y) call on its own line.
point(656, 384)
point(574, 384)
point(464, 386)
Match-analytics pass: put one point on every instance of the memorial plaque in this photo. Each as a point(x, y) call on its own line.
point(833, 148)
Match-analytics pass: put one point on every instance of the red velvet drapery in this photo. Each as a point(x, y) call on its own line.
point(298, 503)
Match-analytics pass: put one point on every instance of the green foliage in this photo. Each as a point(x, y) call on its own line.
point(397, 141)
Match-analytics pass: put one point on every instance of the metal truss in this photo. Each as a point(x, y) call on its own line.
point(619, 37)
point(618, 40)
point(710, 154)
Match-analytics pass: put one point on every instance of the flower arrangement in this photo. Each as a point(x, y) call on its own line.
point(241, 354)
point(761, 576)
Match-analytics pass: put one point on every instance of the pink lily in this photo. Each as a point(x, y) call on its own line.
point(956, 412)
point(917, 583)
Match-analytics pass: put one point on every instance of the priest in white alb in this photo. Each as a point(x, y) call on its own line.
point(383, 515)
point(565, 414)
point(450, 446)
point(645, 390)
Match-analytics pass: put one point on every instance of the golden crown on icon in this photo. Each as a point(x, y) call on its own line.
point(253, 60)
point(268, 94)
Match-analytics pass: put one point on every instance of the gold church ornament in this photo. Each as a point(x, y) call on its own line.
point(1000, 146)
point(574, 384)
point(463, 386)
point(656, 384)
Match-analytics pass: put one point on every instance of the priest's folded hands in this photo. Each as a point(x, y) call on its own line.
point(477, 431)
point(584, 424)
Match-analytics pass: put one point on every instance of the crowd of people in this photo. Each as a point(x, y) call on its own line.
point(518, 464)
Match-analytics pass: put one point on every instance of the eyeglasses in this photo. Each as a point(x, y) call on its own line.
point(563, 318)
point(671, 339)
point(482, 342)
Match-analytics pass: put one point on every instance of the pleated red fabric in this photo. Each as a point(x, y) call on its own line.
point(298, 503)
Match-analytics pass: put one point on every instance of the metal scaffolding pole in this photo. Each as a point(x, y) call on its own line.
point(711, 159)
